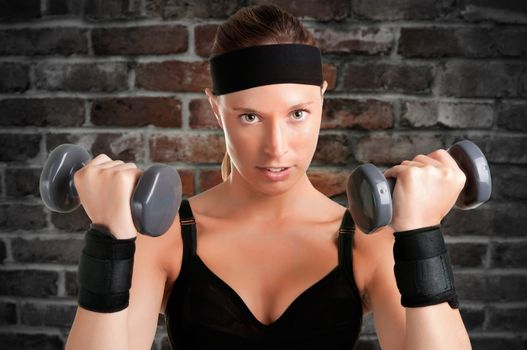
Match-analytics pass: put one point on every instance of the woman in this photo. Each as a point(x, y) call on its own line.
point(264, 260)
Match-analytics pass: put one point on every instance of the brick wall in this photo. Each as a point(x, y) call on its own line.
point(125, 78)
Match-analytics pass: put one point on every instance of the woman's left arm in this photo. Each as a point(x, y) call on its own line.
point(399, 328)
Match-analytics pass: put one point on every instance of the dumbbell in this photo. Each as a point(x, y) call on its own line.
point(154, 203)
point(370, 193)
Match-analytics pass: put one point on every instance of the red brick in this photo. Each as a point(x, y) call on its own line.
point(19, 148)
point(201, 115)
point(507, 149)
point(187, 182)
point(28, 283)
point(95, 76)
point(329, 73)
point(508, 181)
point(335, 10)
point(74, 221)
point(470, 78)
point(137, 111)
point(388, 77)
point(331, 149)
point(22, 182)
point(43, 41)
point(196, 9)
point(13, 11)
point(56, 251)
point(15, 77)
point(64, 7)
point(187, 148)
point(507, 318)
point(329, 182)
point(419, 114)
point(405, 9)
point(44, 314)
point(140, 40)
point(464, 254)
point(512, 42)
point(203, 38)
point(128, 147)
point(173, 76)
point(96, 10)
point(508, 254)
point(393, 149)
point(357, 40)
point(62, 112)
point(441, 42)
point(7, 309)
point(511, 116)
point(359, 114)
point(209, 179)
point(494, 10)
point(22, 216)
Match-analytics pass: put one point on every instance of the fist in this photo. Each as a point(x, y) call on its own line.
point(427, 188)
point(105, 187)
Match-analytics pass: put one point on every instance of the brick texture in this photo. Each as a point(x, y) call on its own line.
point(126, 78)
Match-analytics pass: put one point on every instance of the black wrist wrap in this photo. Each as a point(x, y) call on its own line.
point(422, 268)
point(105, 271)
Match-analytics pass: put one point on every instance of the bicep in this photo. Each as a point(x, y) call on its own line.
point(384, 297)
point(148, 287)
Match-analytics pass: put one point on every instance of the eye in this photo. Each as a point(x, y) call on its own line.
point(301, 115)
point(247, 120)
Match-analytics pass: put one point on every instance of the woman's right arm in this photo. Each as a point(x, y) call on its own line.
point(134, 327)
point(105, 187)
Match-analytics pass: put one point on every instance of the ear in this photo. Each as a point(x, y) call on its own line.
point(214, 105)
point(323, 88)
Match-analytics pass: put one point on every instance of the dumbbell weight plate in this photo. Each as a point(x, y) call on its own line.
point(473, 163)
point(156, 199)
point(369, 198)
point(56, 180)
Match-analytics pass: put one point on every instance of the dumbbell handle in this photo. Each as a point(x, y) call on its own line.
point(154, 202)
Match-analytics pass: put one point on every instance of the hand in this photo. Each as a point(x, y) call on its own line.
point(105, 187)
point(427, 188)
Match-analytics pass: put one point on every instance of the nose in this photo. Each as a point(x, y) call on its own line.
point(275, 145)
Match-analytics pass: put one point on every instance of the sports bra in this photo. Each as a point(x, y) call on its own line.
point(204, 312)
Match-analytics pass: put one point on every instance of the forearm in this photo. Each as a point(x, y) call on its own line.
point(101, 331)
point(435, 327)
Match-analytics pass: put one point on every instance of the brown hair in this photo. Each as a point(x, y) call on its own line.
point(253, 26)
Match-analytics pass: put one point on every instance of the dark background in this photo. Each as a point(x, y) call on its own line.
point(126, 78)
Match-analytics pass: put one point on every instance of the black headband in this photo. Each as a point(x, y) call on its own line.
point(265, 64)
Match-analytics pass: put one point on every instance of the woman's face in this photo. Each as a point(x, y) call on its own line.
point(270, 126)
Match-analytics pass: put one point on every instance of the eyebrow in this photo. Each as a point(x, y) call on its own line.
point(246, 109)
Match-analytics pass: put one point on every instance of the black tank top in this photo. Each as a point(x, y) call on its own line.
point(204, 312)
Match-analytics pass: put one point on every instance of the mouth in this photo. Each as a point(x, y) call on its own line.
point(274, 169)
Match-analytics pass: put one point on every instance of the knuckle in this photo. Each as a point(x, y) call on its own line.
point(462, 177)
point(418, 156)
point(429, 167)
point(102, 156)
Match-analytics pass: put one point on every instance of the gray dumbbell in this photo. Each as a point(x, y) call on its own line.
point(154, 202)
point(370, 193)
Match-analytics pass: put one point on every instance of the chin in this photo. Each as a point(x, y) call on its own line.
point(274, 188)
